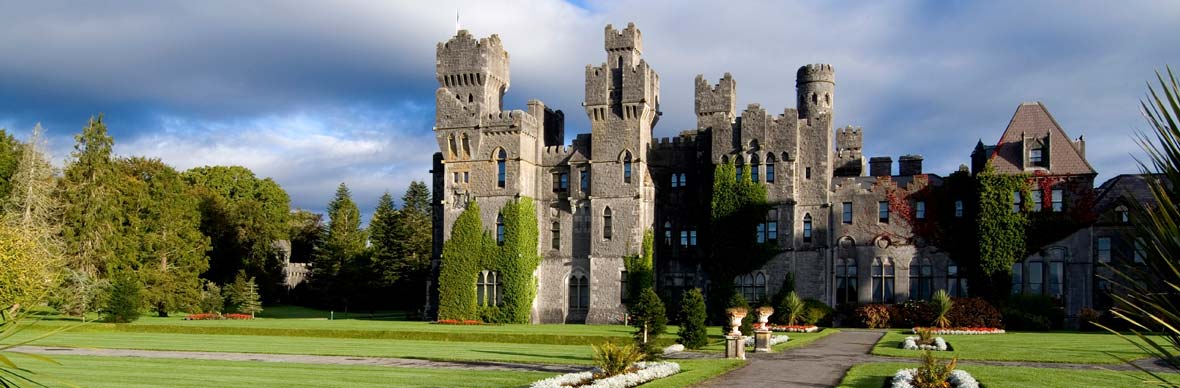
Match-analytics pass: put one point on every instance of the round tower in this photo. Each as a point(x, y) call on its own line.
point(815, 86)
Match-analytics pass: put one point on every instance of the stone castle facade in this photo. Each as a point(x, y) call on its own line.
point(830, 216)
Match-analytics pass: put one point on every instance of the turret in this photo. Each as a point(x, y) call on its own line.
point(816, 90)
point(472, 75)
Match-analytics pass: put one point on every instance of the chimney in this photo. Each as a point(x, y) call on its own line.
point(880, 166)
point(909, 165)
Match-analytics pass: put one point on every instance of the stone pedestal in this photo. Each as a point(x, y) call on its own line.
point(762, 341)
point(735, 347)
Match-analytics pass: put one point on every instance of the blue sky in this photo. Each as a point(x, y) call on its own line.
point(318, 93)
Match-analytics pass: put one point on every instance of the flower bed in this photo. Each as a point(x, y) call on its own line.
point(911, 343)
point(774, 340)
point(959, 379)
point(216, 317)
point(960, 330)
point(794, 328)
point(644, 372)
point(469, 322)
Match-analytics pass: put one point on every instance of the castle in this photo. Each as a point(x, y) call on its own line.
point(595, 198)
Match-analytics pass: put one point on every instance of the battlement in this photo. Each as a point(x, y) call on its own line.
point(719, 98)
point(849, 138)
point(818, 72)
point(514, 118)
point(628, 39)
point(560, 150)
point(685, 139)
point(471, 60)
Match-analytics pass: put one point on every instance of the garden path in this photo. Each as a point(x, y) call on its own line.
point(824, 362)
point(300, 358)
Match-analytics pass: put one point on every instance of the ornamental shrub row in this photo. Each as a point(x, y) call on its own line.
point(966, 312)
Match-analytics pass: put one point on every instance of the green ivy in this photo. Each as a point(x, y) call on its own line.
point(640, 268)
point(471, 250)
point(736, 208)
point(1001, 231)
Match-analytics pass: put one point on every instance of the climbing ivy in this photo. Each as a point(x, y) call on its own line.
point(736, 208)
point(471, 250)
point(1001, 232)
point(640, 271)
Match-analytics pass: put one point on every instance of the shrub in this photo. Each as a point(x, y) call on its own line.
point(941, 303)
point(933, 373)
point(1087, 317)
point(211, 299)
point(873, 316)
point(816, 312)
point(1032, 312)
point(649, 319)
point(615, 359)
point(792, 308)
point(910, 314)
point(925, 336)
point(974, 312)
point(693, 333)
point(124, 298)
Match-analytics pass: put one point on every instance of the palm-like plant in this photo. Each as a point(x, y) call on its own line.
point(1149, 299)
point(11, 374)
point(615, 359)
point(942, 307)
point(792, 306)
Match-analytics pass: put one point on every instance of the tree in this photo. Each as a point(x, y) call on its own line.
point(1149, 299)
point(244, 296)
point(10, 155)
point(211, 299)
point(89, 195)
point(162, 235)
point(402, 242)
point(693, 333)
point(307, 233)
point(649, 319)
point(343, 243)
point(383, 241)
point(31, 208)
point(640, 271)
point(78, 293)
point(26, 276)
point(124, 298)
point(244, 217)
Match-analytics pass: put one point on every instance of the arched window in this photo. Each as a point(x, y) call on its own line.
point(807, 228)
point(626, 166)
point(487, 288)
point(607, 227)
point(501, 168)
point(667, 233)
point(769, 168)
point(738, 164)
point(956, 284)
point(752, 287)
point(882, 280)
point(500, 229)
point(1036, 276)
point(759, 287)
point(555, 232)
point(814, 99)
point(754, 168)
point(921, 279)
point(579, 293)
point(846, 281)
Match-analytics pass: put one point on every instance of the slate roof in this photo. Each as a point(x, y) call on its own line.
point(1132, 187)
point(1032, 119)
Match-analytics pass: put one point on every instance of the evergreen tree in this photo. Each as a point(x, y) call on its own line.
point(307, 233)
point(343, 244)
point(411, 238)
point(693, 333)
point(382, 242)
point(10, 155)
point(78, 293)
point(31, 206)
point(124, 298)
point(211, 299)
point(88, 191)
point(245, 297)
point(649, 319)
point(162, 231)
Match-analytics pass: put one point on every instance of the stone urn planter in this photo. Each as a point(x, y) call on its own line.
point(736, 314)
point(764, 314)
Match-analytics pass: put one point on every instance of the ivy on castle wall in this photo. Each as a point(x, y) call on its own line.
point(1001, 232)
point(641, 267)
point(471, 249)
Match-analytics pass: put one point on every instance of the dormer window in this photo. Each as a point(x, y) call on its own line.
point(1036, 157)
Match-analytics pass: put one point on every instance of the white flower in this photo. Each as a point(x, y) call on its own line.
point(959, 379)
point(675, 348)
point(647, 371)
point(774, 340)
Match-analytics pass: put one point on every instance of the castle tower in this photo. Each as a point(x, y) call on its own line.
point(716, 109)
point(849, 160)
point(622, 102)
point(472, 77)
point(815, 86)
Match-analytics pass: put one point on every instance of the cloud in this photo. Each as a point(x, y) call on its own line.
point(314, 93)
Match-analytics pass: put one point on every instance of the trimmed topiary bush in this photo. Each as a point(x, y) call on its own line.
point(693, 333)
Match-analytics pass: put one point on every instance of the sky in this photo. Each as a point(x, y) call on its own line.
point(315, 93)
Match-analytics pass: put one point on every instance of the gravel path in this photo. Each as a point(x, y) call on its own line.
point(302, 359)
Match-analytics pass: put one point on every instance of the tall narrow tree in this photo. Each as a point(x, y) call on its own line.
point(411, 237)
point(382, 242)
point(91, 219)
point(31, 205)
point(343, 243)
point(10, 150)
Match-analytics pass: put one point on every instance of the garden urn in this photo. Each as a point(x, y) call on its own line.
point(736, 314)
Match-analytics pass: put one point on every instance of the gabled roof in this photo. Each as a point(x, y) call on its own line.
point(1125, 187)
point(1033, 120)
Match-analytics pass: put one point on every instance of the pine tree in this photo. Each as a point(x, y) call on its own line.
point(124, 298)
point(693, 332)
point(246, 296)
point(382, 241)
point(343, 244)
point(411, 239)
point(91, 219)
point(649, 319)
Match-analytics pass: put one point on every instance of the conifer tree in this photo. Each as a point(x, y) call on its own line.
point(693, 332)
point(382, 243)
point(91, 219)
point(343, 243)
point(649, 319)
point(124, 298)
point(10, 153)
point(411, 238)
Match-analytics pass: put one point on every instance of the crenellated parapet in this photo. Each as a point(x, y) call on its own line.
point(719, 99)
point(849, 160)
point(465, 61)
point(627, 39)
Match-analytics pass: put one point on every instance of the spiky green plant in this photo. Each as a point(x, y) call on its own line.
point(941, 301)
point(792, 307)
point(933, 373)
point(11, 374)
point(615, 359)
point(1149, 299)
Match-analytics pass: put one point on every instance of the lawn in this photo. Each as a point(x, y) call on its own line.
point(874, 376)
point(695, 371)
point(1067, 347)
point(123, 372)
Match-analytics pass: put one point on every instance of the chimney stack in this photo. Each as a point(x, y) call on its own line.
point(880, 166)
point(909, 165)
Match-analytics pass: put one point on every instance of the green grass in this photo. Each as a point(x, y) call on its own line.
point(431, 350)
point(695, 371)
point(1066, 347)
point(123, 372)
point(874, 376)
